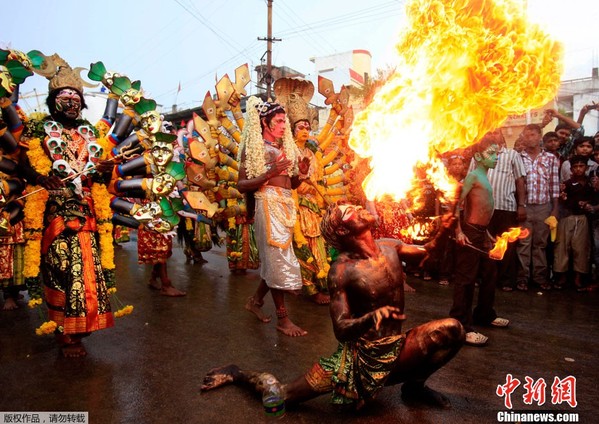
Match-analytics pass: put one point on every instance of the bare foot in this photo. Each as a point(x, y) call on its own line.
point(408, 289)
point(288, 328)
point(412, 393)
point(154, 284)
point(10, 304)
point(256, 309)
point(219, 377)
point(199, 260)
point(321, 299)
point(71, 347)
point(168, 290)
point(75, 350)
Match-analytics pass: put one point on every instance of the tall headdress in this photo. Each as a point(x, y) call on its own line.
point(60, 74)
point(294, 94)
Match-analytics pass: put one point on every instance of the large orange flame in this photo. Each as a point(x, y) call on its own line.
point(463, 67)
point(501, 243)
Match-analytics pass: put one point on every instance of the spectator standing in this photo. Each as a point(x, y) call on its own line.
point(542, 187)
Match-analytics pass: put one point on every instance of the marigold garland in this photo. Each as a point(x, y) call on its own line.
point(103, 217)
point(38, 158)
point(33, 221)
point(47, 327)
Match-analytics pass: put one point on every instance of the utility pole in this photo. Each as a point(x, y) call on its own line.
point(267, 77)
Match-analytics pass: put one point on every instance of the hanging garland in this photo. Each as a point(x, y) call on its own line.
point(34, 220)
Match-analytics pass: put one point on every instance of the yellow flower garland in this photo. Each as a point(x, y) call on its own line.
point(103, 216)
point(33, 221)
point(37, 202)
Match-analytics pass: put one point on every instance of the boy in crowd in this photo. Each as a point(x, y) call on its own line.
point(573, 234)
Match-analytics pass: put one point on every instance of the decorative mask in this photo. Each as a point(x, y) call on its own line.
point(56, 147)
point(62, 168)
point(162, 184)
point(87, 133)
point(162, 153)
point(6, 81)
point(95, 152)
point(53, 128)
point(148, 212)
point(151, 122)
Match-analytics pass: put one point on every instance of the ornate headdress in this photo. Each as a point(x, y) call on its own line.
point(295, 95)
point(61, 75)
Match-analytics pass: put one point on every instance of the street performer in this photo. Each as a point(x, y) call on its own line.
point(366, 284)
point(269, 171)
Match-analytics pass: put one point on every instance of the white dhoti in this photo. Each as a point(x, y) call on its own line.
point(274, 220)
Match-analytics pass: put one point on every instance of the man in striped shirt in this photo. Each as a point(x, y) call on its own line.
point(542, 187)
point(509, 195)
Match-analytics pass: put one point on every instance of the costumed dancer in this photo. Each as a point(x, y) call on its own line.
point(68, 227)
point(161, 174)
point(308, 243)
point(222, 128)
point(270, 171)
point(12, 238)
point(196, 237)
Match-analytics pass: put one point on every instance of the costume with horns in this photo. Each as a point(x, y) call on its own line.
point(68, 230)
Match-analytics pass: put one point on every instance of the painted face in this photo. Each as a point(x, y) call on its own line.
point(348, 211)
point(489, 156)
point(277, 126)
point(6, 80)
point(355, 218)
point(162, 153)
point(151, 122)
point(163, 184)
point(302, 131)
point(68, 103)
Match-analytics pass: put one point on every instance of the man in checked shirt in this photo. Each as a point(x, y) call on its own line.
point(542, 194)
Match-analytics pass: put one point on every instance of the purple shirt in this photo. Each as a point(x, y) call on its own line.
point(542, 178)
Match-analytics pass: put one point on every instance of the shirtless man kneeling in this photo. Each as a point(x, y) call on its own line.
point(366, 284)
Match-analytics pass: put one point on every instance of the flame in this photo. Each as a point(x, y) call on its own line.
point(463, 67)
point(501, 244)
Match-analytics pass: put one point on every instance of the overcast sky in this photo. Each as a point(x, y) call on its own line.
point(167, 42)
